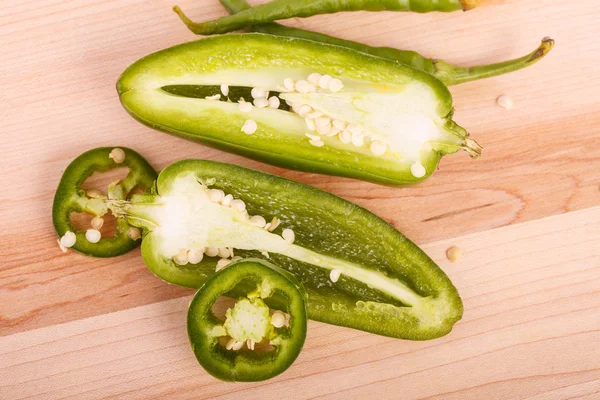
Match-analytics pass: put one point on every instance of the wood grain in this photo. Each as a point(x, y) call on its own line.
point(525, 296)
point(531, 331)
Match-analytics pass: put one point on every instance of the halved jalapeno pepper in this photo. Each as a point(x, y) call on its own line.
point(357, 270)
point(308, 106)
point(70, 197)
point(252, 343)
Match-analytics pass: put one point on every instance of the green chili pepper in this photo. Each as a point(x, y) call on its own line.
point(71, 198)
point(351, 114)
point(284, 9)
point(235, 349)
point(357, 270)
point(448, 73)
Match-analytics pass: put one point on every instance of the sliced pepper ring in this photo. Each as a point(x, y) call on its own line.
point(70, 197)
point(258, 283)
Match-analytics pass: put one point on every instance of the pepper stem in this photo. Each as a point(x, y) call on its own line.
point(453, 74)
point(192, 26)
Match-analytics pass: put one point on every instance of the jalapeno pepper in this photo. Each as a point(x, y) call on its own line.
point(448, 73)
point(284, 9)
point(70, 197)
point(236, 348)
point(348, 114)
point(357, 270)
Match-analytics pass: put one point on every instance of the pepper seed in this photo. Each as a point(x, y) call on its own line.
point(454, 254)
point(288, 235)
point(97, 222)
point(249, 127)
point(134, 233)
point(418, 170)
point(93, 235)
point(117, 155)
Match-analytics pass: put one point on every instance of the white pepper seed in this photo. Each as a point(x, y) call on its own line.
point(134, 233)
point(261, 102)
point(345, 137)
point(289, 84)
point(216, 195)
point(341, 125)
point(181, 258)
point(93, 235)
point(334, 275)
point(230, 343)
point(68, 239)
point(117, 155)
point(250, 344)
point(222, 263)
point(302, 86)
point(324, 129)
point(324, 81)
point(418, 170)
point(94, 193)
point(304, 110)
point(316, 143)
point(258, 220)
point(97, 222)
point(310, 124)
point(62, 248)
point(274, 102)
point(314, 137)
point(224, 252)
point(314, 78)
point(225, 89)
point(211, 251)
point(378, 148)
point(288, 235)
point(358, 139)
point(195, 256)
point(249, 127)
point(238, 205)
point(214, 97)
point(314, 114)
point(274, 224)
point(335, 85)
point(354, 129)
point(454, 254)
point(505, 101)
point(278, 319)
point(227, 200)
point(334, 131)
point(245, 106)
point(259, 93)
point(237, 346)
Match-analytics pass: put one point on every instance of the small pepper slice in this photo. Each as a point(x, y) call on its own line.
point(71, 198)
point(284, 9)
point(448, 73)
point(236, 349)
point(357, 270)
point(364, 117)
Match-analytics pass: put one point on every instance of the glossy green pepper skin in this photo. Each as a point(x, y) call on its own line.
point(386, 285)
point(284, 9)
point(207, 334)
point(409, 108)
point(448, 73)
point(70, 198)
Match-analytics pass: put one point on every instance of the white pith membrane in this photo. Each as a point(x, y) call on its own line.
point(191, 217)
point(392, 122)
point(250, 322)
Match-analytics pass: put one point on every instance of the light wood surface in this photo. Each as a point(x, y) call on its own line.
point(524, 214)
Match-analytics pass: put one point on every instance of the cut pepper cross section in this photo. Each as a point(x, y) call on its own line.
point(299, 104)
point(358, 271)
point(253, 342)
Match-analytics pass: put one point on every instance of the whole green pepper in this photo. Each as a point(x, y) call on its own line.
point(284, 9)
point(236, 348)
point(448, 73)
point(70, 197)
point(351, 114)
point(357, 270)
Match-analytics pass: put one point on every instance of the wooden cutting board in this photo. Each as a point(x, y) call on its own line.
point(526, 214)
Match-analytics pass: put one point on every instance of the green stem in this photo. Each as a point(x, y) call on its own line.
point(448, 73)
